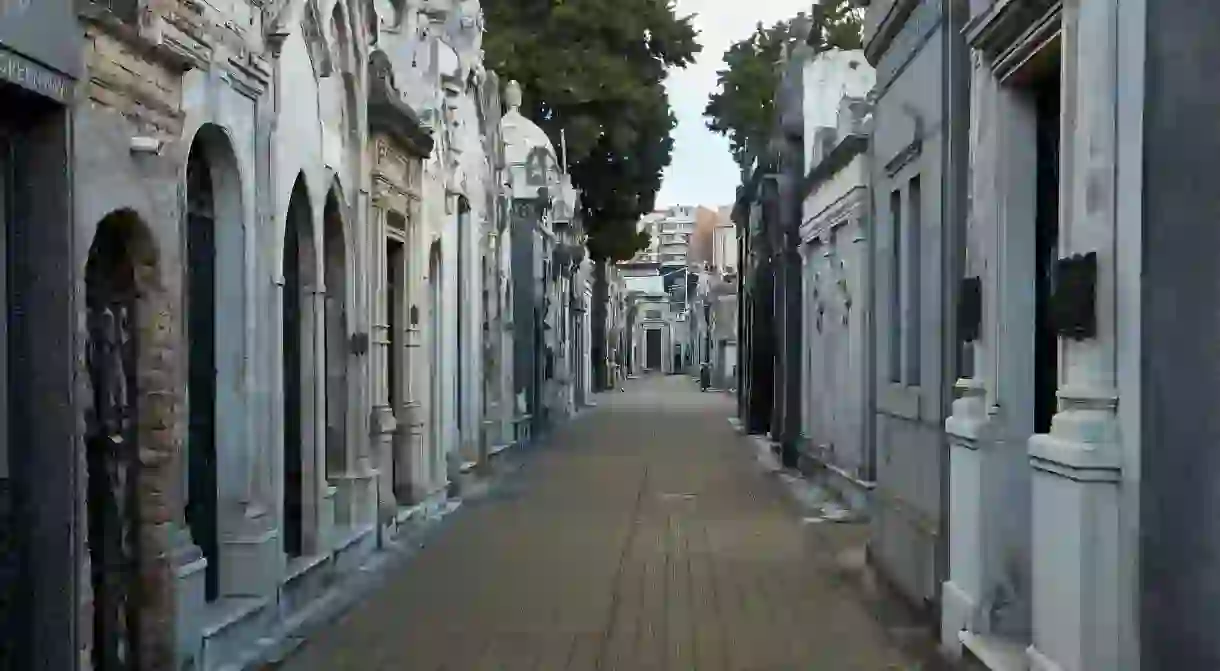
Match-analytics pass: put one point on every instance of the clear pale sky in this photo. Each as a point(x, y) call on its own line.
point(703, 172)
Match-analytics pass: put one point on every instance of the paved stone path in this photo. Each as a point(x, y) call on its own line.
point(644, 537)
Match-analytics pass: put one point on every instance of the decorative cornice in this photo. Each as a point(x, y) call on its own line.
point(389, 196)
point(315, 40)
point(853, 203)
point(388, 113)
point(156, 38)
point(250, 73)
point(887, 28)
point(1010, 32)
point(838, 158)
point(910, 34)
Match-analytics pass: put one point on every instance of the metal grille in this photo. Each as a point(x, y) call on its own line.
point(111, 449)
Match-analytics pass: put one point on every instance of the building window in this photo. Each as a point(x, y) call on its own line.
point(913, 312)
point(905, 285)
point(895, 349)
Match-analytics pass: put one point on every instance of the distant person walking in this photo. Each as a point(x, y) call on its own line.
point(619, 373)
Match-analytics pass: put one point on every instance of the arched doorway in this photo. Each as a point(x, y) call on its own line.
point(436, 388)
point(112, 440)
point(201, 515)
point(300, 279)
point(337, 350)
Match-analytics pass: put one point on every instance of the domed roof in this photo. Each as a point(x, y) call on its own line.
point(521, 136)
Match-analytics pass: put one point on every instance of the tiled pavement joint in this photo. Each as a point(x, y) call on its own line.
point(616, 598)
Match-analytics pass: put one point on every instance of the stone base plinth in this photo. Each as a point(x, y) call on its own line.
point(355, 498)
point(1075, 555)
point(250, 554)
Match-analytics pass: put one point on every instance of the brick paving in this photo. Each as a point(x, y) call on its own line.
point(643, 536)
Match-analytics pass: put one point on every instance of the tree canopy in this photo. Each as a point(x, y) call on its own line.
point(595, 70)
point(743, 106)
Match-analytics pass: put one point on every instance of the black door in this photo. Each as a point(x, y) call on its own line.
point(1046, 344)
point(293, 483)
point(393, 312)
point(201, 364)
point(652, 345)
point(12, 635)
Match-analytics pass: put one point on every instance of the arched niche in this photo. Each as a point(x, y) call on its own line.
point(130, 413)
point(436, 388)
point(336, 329)
point(298, 327)
point(215, 298)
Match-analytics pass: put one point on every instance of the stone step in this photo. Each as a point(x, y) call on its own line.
point(355, 548)
point(232, 626)
point(992, 653)
point(308, 579)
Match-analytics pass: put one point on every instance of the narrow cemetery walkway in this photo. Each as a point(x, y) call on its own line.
point(644, 536)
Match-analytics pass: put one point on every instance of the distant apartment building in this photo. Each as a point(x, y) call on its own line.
point(675, 228)
point(724, 243)
point(670, 231)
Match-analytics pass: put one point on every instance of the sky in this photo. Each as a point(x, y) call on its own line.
point(702, 171)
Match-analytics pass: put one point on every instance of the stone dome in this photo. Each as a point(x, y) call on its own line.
point(526, 146)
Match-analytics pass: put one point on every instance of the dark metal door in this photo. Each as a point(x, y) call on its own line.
point(112, 451)
point(435, 413)
point(395, 263)
point(11, 620)
point(1046, 344)
point(201, 365)
point(652, 346)
point(293, 478)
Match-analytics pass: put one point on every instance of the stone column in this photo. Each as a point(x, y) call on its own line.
point(789, 219)
point(411, 439)
point(1077, 466)
point(369, 257)
point(492, 424)
point(314, 472)
point(382, 422)
point(971, 425)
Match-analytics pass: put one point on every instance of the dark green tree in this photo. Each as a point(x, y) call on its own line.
point(594, 69)
point(837, 24)
point(743, 106)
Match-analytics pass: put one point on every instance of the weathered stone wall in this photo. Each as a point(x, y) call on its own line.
point(151, 85)
point(907, 143)
point(121, 80)
point(110, 179)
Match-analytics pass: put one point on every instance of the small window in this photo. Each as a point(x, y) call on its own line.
point(915, 220)
point(895, 307)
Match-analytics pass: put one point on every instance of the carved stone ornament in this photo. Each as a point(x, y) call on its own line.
point(315, 41)
point(512, 96)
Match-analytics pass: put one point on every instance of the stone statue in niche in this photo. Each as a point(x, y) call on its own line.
point(315, 41)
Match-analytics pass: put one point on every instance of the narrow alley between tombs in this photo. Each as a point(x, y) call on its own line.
point(643, 535)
